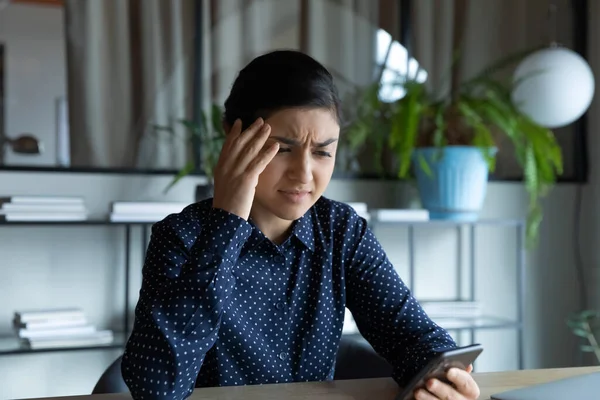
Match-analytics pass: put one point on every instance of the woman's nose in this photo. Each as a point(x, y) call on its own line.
point(301, 168)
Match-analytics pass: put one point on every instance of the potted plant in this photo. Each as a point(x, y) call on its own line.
point(449, 142)
point(209, 136)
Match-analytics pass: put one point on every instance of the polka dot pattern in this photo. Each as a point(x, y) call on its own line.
point(222, 305)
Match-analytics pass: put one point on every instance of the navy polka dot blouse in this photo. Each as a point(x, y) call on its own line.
point(221, 305)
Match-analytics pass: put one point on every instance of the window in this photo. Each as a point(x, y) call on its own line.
point(397, 67)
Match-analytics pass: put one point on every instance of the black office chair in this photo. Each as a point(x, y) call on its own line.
point(356, 359)
point(111, 380)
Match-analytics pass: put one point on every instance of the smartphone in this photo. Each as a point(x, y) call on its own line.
point(460, 357)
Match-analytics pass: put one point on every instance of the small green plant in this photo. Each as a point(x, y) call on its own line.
point(476, 112)
point(586, 324)
point(369, 127)
point(209, 135)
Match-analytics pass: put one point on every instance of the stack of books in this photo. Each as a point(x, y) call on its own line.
point(42, 208)
point(389, 214)
point(400, 215)
point(452, 309)
point(58, 328)
point(361, 209)
point(143, 211)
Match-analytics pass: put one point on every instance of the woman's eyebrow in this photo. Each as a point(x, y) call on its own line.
point(293, 142)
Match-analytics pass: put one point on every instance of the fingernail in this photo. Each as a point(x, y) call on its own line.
point(452, 373)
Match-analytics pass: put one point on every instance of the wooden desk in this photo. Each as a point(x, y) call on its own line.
point(363, 389)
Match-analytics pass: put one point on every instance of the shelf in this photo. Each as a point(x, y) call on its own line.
point(436, 222)
point(432, 223)
point(338, 173)
point(457, 324)
point(71, 223)
point(484, 322)
point(11, 345)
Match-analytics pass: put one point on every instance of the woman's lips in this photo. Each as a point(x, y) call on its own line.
point(295, 196)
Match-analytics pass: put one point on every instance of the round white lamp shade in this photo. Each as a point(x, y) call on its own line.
point(555, 86)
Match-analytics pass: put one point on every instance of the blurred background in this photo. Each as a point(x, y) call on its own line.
point(103, 104)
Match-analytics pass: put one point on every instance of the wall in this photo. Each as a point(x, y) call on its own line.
point(45, 267)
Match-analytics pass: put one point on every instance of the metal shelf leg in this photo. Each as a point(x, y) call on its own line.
point(127, 273)
point(521, 293)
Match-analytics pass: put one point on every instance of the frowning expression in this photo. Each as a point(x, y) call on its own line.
point(301, 171)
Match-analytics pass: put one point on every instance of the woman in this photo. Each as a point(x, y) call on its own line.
point(251, 286)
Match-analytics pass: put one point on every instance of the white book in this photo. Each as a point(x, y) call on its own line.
point(147, 207)
point(360, 208)
point(399, 215)
point(56, 332)
point(51, 323)
point(9, 208)
point(457, 309)
point(95, 339)
point(39, 199)
point(137, 217)
point(25, 316)
point(42, 216)
point(463, 322)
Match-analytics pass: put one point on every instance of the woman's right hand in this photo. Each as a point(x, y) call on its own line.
point(242, 159)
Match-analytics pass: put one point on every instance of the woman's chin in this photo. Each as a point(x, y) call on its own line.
point(286, 209)
point(291, 213)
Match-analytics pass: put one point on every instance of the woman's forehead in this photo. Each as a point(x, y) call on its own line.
point(296, 122)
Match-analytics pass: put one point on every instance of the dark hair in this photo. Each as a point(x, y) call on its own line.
point(278, 80)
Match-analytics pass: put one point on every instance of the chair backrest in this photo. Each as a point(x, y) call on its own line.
point(111, 380)
point(356, 359)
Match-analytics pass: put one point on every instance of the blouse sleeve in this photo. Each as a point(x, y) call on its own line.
point(186, 282)
point(386, 313)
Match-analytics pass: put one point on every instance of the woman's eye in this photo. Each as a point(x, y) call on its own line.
point(323, 154)
point(318, 153)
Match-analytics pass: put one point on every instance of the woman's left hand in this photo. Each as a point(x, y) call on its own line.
point(464, 388)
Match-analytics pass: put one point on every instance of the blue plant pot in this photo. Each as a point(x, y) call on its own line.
point(456, 187)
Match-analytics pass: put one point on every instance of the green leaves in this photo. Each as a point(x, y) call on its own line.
point(186, 170)
point(482, 136)
point(405, 124)
point(479, 113)
point(586, 325)
point(370, 125)
point(587, 349)
point(208, 133)
point(542, 162)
